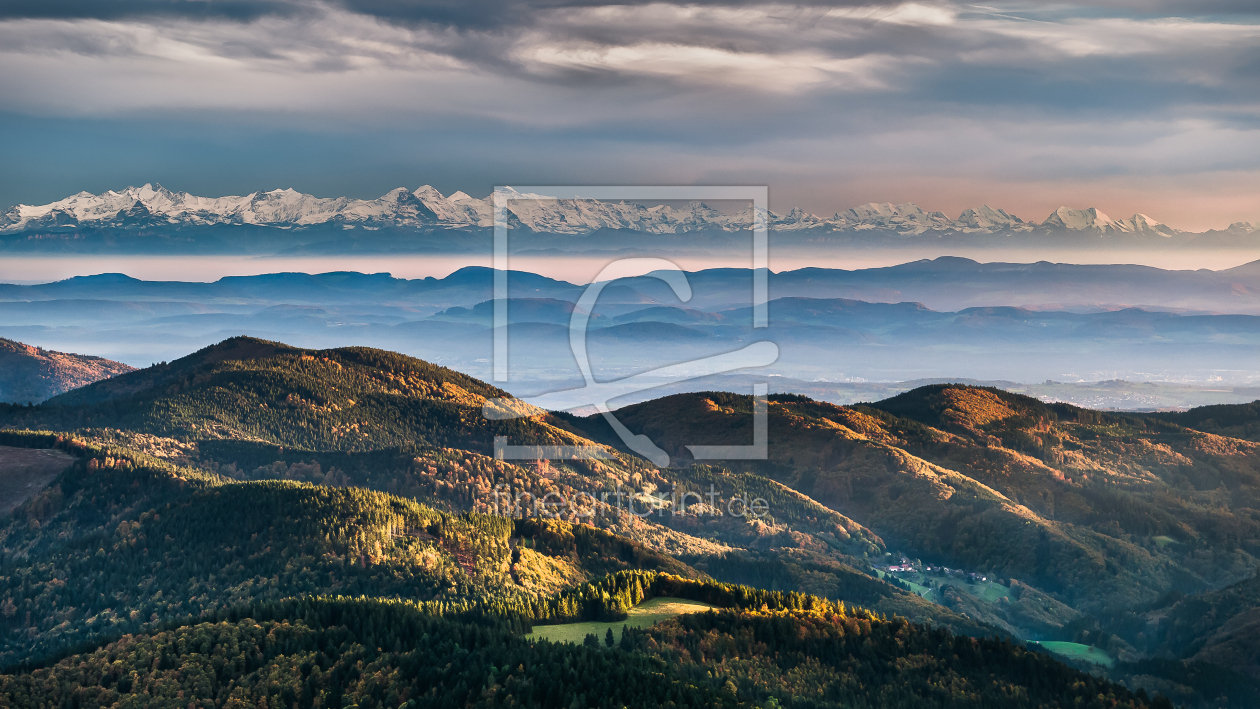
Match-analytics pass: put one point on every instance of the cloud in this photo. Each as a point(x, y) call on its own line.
point(746, 46)
point(237, 10)
point(733, 90)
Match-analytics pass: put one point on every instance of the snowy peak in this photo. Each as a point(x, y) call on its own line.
point(1079, 220)
point(987, 218)
point(905, 218)
point(152, 205)
point(1142, 224)
point(1092, 220)
point(1240, 228)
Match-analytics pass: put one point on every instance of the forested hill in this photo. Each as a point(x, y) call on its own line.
point(121, 539)
point(31, 375)
point(1103, 514)
point(135, 582)
point(254, 410)
point(247, 389)
point(181, 372)
point(252, 472)
point(1234, 420)
point(362, 653)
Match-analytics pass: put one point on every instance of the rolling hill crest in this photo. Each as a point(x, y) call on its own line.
point(343, 399)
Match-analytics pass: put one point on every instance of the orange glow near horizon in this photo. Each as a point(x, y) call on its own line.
point(1193, 203)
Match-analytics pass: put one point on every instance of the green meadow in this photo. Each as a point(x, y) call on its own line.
point(1077, 651)
point(649, 612)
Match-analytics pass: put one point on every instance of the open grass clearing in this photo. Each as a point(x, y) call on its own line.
point(918, 588)
point(647, 613)
point(1077, 651)
point(987, 591)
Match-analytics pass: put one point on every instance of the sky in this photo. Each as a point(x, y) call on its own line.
point(1127, 106)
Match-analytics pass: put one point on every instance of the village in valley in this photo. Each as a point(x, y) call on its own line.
point(928, 580)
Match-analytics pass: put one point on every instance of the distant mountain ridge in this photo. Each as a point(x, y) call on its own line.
point(945, 283)
point(1045, 320)
point(153, 206)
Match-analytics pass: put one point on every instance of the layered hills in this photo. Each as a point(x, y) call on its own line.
point(1069, 500)
point(200, 571)
point(1095, 518)
point(220, 503)
point(258, 410)
point(945, 283)
point(916, 321)
point(31, 374)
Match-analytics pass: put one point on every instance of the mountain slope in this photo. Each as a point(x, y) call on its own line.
point(30, 374)
point(1219, 627)
point(1100, 511)
point(225, 480)
point(145, 541)
point(155, 551)
point(1233, 420)
point(345, 399)
point(253, 410)
point(962, 476)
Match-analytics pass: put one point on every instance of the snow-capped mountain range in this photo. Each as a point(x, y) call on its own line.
point(426, 208)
